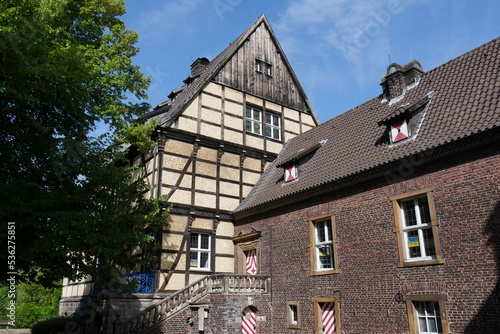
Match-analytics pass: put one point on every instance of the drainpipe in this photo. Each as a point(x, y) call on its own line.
point(162, 138)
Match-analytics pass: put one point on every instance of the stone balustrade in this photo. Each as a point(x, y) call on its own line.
point(213, 284)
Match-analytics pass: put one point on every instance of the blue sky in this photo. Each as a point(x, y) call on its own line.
point(339, 49)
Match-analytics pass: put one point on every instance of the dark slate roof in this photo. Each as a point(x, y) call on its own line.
point(168, 111)
point(462, 99)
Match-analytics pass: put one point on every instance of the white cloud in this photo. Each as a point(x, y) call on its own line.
point(169, 17)
point(348, 26)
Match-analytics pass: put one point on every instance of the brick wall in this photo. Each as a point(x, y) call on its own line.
point(467, 199)
point(224, 316)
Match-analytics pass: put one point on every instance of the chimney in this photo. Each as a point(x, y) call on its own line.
point(199, 66)
point(398, 78)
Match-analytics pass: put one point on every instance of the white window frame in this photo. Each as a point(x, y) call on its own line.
point(428, 316)
point(401, 229)
point(253, 120)
point(330, 241)
point(419, 227)
point(293, 314)
point(198, 250)
point(273, 123)
point(439, 302)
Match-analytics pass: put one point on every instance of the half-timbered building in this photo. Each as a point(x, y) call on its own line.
point(384, 219)
point(216, 134)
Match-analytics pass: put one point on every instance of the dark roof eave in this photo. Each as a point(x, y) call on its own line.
point(429, 155)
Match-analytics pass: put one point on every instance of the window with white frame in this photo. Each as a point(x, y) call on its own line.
point(427, 314)
point(199, 252)
point(273, 126)
point(417, 228)
point(254, 120)
point(323, 246)
point(293, 314)
point(429, 317)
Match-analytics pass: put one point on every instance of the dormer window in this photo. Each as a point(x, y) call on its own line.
point(290, 173)
point(399, 131)
point(294, 163)
point(404, 122)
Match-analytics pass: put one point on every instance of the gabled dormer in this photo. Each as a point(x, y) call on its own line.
point(405, 121)
point(294, 163)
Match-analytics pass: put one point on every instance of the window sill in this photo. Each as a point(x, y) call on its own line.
point(293, 326)
point(325, 272)
point(201, 271)
point(421, 263)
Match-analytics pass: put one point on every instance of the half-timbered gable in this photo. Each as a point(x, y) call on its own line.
point(216, 134)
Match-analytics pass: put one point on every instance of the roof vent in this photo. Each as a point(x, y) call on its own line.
point(398, 78)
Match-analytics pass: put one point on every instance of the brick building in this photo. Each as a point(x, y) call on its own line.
point(385, 219)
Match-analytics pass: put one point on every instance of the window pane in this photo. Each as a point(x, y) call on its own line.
point(320, 231)
point(328, 226)
point(268, 69)
point(409, 213)
point(422, 324)
point(268, 131)
point(325, 256)
point(268, 119)
point(276, 133)
point(413, 244)
point(293, 314)
point(423, 205)
point(193, 259)
point(430, 249)
point(432, 325)
point(205, 238)
point(194, 240)
point(429, 319)
point(256, 128)
point(256, 115)
point(204, 260)
point(249, 113)
point(249, 126)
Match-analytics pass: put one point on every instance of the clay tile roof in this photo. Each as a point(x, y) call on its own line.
point(461, 97)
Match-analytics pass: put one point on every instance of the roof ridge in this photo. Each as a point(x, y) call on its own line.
point(218, 63)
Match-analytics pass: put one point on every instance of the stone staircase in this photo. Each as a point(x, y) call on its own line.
point(177, 302)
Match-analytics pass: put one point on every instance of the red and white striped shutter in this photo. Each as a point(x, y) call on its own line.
point(290, 173)
point(248, 321)
point(399, 131)
point(328, 318)
point(251, 262)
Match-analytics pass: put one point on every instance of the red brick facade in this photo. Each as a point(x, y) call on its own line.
point(224, 316)
point(370, 284)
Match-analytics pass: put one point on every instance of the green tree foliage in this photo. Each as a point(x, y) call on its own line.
point(36, 302)
point(65, 66)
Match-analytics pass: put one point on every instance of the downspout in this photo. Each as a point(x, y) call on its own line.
point(162, 138)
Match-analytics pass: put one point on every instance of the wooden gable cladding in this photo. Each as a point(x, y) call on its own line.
point(279, 86)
